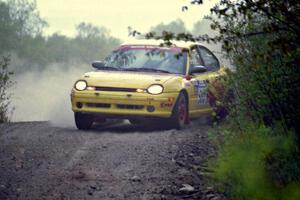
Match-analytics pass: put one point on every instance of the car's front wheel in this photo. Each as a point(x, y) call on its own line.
point(83, 121)
point(179, 118)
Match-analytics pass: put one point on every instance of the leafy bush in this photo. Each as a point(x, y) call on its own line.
point(21, 35)
point(259, 154)
point(283, 167)
point(257, 165)
point(5, 83)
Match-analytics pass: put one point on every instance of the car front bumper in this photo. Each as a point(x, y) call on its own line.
point(123, 104)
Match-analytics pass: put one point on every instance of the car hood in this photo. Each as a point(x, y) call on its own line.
point(125, 79)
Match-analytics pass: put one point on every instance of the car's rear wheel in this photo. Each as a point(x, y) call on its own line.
point(179, 118)
point(83, 121)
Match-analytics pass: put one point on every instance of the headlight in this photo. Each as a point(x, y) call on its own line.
point(155, 89)
point(80, 85)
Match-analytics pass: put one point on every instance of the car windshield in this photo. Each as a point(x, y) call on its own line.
point(148, 59)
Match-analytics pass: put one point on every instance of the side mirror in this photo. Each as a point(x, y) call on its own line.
point(198, 69)
point(98, 64)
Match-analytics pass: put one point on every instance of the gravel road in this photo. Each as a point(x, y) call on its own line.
point(115, 161)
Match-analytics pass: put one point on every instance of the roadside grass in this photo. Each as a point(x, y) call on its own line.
point(256, 164)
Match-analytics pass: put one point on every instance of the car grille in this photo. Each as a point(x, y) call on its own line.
point(99, 105)
point(130, 107)
point(115, 89)
point(120, 106)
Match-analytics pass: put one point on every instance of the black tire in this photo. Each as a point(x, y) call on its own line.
point(179, 118)
point(83, 121)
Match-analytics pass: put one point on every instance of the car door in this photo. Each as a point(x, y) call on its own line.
point(201, 56)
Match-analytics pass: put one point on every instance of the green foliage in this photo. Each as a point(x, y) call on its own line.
point(8, 29)
point(261, 39)
point(265, 82)
point(243, 169)
point(5, 83)
point(283, 167)
point(18, 19)
point(21, 35)
point(26, 17)
point(176, 26)
point(258, 162)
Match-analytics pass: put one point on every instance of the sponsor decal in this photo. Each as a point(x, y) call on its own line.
point(166, 105)
point(200, 88)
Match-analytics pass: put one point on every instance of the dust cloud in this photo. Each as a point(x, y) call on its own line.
point(45, 95)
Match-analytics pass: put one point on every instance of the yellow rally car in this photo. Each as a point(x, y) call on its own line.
point(143, 80)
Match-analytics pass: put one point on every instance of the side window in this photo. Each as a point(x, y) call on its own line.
point(195, 58)
point(209, 59)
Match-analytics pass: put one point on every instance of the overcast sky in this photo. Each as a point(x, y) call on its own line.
point(63, 15)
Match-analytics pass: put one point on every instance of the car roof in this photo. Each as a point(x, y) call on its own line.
point(176, 43)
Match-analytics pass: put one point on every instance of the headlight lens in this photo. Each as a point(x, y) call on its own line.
point(80, 85)
point(155, 89)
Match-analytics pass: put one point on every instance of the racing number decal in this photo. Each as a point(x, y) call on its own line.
point(200, 87)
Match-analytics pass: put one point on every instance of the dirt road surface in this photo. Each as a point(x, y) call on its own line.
point(116, 161)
